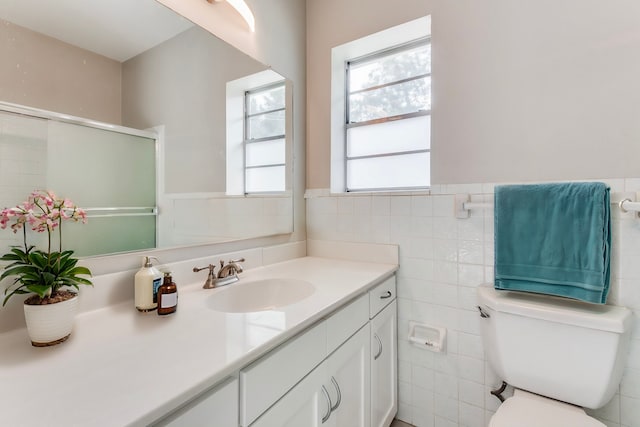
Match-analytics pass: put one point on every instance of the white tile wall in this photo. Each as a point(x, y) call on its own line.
point(224, 218)
point(442, 260)
point(23, 154)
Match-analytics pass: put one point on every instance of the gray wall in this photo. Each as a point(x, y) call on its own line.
point(535, 90)
point(331, 23)
point(542, 90)
point(181, 84)
point(42, 72)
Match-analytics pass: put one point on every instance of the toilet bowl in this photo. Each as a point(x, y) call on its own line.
point(560, 355)
point(526, 409)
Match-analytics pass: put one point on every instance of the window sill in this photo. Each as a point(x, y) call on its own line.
point(325, 192)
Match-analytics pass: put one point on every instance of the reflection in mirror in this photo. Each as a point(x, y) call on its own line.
point(173, 129)
point(38, 151)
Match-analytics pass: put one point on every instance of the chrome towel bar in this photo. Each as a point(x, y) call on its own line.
point(121, 211)
point(463, 205)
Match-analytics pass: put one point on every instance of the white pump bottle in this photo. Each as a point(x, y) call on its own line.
point(147, 281)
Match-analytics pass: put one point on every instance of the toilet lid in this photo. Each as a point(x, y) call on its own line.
point(530, 410)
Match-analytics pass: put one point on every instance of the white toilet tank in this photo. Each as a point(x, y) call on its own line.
point(560, 348)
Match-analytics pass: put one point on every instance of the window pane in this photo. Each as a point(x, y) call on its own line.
point(407, 170)
point(266, 100)
point(265, 153)
point(403, 98)
point(268, 179)
point(265, 125)
point(391, 68)
point(398, 135)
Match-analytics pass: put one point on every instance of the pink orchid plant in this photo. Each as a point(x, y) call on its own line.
point(36, 271)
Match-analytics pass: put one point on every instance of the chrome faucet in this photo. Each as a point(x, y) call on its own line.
point(226, 275)
point(231, 269)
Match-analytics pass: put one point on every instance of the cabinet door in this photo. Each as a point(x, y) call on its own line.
point(347, 382)
point(272, 376)
point(384, 394)
point(216, 407)
point(306, 404)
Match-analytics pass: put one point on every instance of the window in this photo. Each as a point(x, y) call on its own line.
point(264, 139)
point(387, 127)
point(381, 110)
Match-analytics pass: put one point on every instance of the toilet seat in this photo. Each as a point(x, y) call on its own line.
point(525, 409)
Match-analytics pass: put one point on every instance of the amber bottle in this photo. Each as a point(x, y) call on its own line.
point(167, 296)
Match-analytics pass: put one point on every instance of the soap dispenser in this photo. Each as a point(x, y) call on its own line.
point(167, 296)
point(146, 283)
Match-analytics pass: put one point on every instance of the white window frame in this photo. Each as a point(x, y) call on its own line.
point(399, 35)
point(348, 124)
point(235, 127)
point(247, 140)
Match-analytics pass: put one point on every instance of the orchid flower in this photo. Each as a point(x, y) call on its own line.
point(38, 271)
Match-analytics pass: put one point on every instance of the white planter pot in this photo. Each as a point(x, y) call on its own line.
point(50, 324)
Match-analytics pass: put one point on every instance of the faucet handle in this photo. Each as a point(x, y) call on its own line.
point(211, 267)
point(211, 277)
point(238, 266)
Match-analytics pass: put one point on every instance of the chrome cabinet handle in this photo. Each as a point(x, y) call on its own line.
point(335, 384)
point(483, 313)
point(380, 347)
point(385, 296)
point(329, 408)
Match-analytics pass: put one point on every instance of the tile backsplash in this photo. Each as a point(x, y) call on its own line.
point(442, 260)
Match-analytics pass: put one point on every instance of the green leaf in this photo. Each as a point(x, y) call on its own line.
point(41, 290)
point(14, 292)
point(48, 278)
point(16, 255)
point(80, 270)
point(10, 257)
point(74, 281)
point(17, 271)
point(18, 251)
point(37, 259)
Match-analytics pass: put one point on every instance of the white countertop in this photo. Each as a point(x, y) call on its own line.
point(121, 367)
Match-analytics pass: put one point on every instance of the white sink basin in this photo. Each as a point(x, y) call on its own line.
point(259, 295)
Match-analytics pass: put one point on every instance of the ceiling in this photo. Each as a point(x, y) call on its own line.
point(117, 29)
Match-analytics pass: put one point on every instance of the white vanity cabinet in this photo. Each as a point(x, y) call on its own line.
point(306, 404)
point(321, 358)
point(384, 371)
point(215, 407)
point(340, 372)
point(334, 394)
point(347, 382)
point(231, 367)
point(355, 386)
point(266, 380)
point(384, 389)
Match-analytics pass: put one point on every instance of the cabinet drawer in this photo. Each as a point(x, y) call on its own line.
point(217, 406)
point(346, 322)
point(266, 380)
point(381, 296)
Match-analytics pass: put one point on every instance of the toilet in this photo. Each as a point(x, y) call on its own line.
point(560, 355)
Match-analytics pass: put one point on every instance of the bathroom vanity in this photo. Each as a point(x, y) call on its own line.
point(327, 359)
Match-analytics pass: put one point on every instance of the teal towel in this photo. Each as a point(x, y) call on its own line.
point(554, 239)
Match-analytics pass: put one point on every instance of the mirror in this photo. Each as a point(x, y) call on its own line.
point(140, 72)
